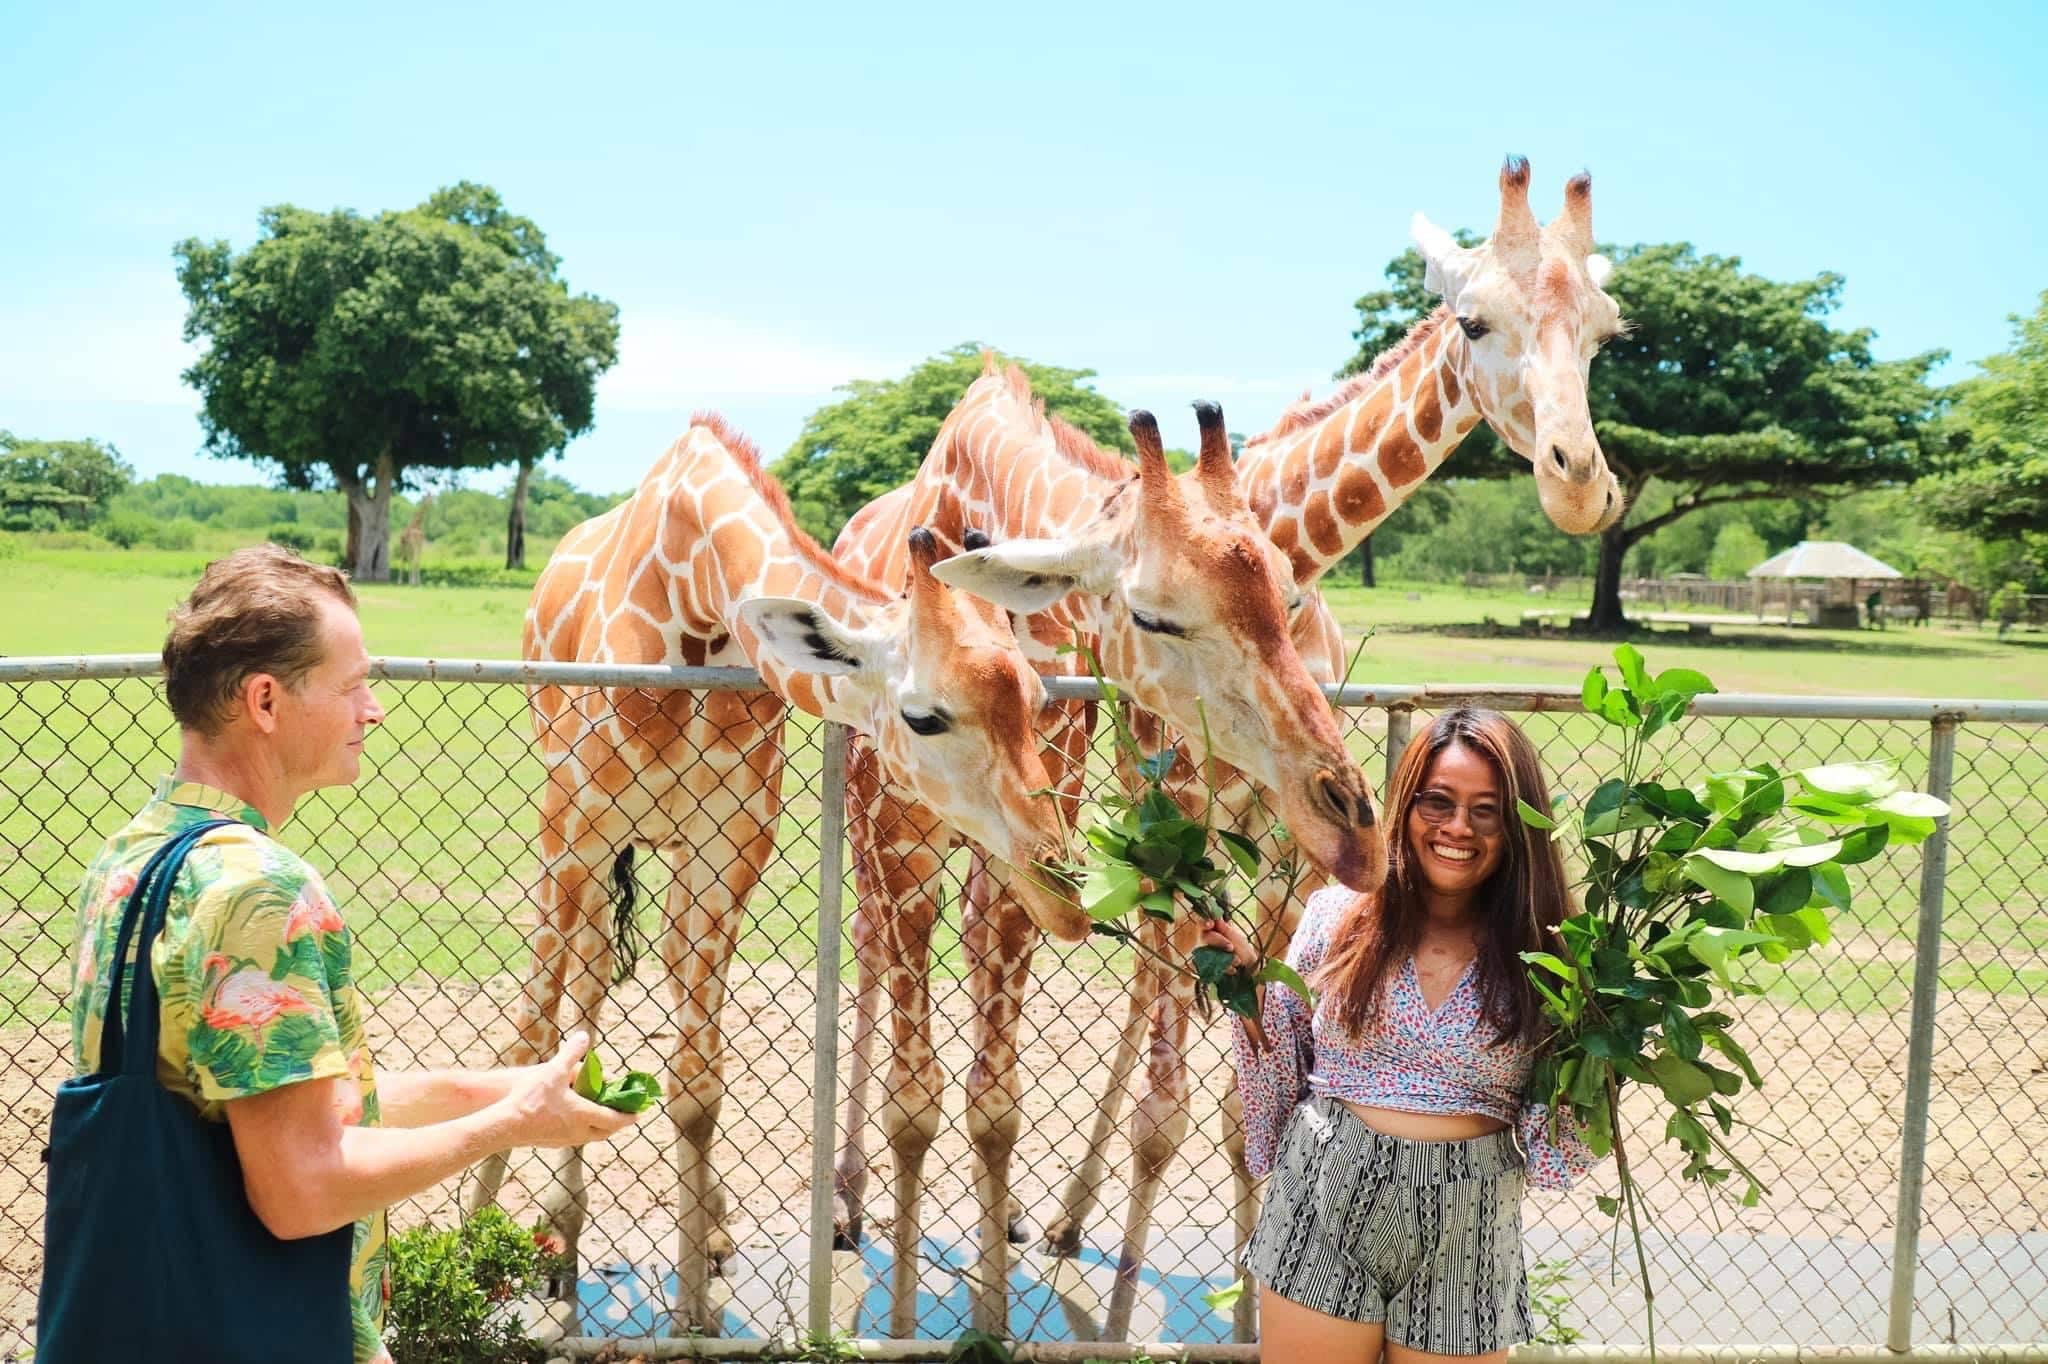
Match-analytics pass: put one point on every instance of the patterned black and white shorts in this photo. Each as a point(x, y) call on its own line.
point(1425, 1236)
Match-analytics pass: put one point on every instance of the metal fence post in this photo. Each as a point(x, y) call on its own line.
point(1941, 755)
point(825, 1077)
point(1397, 741)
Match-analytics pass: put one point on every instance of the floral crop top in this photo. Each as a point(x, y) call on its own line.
point(1417, 1061)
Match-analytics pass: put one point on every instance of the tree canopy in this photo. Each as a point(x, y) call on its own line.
point(1728, 387)
point(874, 439)
point(45, 484)
point(375, 353)
point(1995, 486)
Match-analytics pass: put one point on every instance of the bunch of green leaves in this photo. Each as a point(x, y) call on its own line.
point(1150, 855)
point(449, 1290)
point(634, 1092)
point(1683, 885)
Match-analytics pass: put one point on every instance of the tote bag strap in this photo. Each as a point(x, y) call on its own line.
point(145, 910)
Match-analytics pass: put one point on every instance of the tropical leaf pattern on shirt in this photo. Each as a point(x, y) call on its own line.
point(254, 973)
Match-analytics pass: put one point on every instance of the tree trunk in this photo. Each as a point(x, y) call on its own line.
point(515, 519)
point(1606, 616)
point(369, 520)
point(1365, 573)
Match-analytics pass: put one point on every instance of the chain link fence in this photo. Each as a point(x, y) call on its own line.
point(1903, 1133)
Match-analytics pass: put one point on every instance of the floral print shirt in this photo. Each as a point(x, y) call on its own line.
point(1416, 1060)
point(253, 971)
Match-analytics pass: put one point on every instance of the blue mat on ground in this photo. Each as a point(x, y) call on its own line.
point(621, 1299)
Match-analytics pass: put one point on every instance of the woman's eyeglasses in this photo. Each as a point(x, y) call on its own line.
point(1437, 808)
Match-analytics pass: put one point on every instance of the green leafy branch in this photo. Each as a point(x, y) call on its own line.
point(1682, 885)
point(1150, 855)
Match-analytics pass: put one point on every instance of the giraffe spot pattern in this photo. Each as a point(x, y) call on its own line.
point(1330, 446)
point(1426, 414)
point(1322, 526)
point(1400, 458)
point(1359, 500)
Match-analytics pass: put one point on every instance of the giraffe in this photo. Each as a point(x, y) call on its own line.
point(1529, 316)
point(412, 541)
point(703, 564)
point(1186, 604)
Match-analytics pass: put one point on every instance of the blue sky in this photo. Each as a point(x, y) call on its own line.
point(781, 198)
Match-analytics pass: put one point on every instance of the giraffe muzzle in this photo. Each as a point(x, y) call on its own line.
point(1343, 804)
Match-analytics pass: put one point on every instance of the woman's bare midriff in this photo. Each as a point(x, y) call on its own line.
point(1396, 1122)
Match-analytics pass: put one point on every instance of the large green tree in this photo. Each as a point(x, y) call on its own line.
point(378, 353)
point(873, 439)
point(1728, 387)
point(45, 483)
point(1995, 485)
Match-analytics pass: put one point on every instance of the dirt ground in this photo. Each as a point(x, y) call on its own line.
point(1826, 1138)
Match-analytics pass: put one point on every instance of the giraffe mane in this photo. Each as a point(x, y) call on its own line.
point(1304, 413)
point(747, 455)
point(1076, 446)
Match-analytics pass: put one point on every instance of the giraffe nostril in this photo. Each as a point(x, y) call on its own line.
point(1557, 457)
point(1340, 804)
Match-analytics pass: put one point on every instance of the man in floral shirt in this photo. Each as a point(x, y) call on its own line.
point(266, 673)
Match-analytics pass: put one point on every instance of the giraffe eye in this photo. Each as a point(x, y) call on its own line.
point(1473, 327)
point(926, 723)
point(1155, 626)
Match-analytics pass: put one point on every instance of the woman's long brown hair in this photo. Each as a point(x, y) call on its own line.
point(1519, 907)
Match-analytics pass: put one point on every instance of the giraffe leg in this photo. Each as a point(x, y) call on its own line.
point(850, 1168)
point(1159, 1124)
point(1244, 1210)
point(534, 1035)
point(705, 912)
point(1083, 1191)
point(910, 1105)
point(587, 973)
point(997, 938)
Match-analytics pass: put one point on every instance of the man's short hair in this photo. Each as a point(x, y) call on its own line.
point(256, 611)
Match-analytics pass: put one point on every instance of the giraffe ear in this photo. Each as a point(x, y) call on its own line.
point(799, 635)
point(1029, 575)
point(1444, 262)
point(1599, 269)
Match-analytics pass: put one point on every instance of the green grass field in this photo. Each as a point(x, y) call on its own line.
point(431, 851)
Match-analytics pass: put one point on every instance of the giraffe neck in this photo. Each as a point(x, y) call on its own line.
point(1009, 473)
point(720, 535)
point(999, 467)
point(1320, 486)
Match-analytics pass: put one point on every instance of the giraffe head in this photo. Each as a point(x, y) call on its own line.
point(936, 680)
point(1529, 304)
point(1190, 605)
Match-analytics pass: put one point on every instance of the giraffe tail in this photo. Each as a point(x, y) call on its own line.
point(627, 940)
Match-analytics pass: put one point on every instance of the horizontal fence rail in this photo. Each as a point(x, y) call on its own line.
point(1903, 1131)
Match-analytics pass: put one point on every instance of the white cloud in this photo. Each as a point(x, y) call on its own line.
point(678, 361)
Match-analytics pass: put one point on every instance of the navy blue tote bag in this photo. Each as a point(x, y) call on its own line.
point(150, 1247)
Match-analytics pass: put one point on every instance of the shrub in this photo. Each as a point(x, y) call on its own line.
point(451, 1291)
point(182, 533)
point(301, 538)
point(2009, 603)
point(126, 529)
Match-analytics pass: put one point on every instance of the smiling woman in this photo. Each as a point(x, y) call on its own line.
point(1401, 1092)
